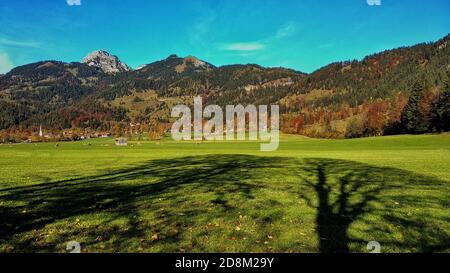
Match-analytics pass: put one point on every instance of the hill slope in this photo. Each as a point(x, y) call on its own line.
point(352, 98)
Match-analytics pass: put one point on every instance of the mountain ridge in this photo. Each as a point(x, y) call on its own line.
point(322, 101)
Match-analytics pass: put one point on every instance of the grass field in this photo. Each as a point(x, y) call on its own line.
point(310, 196)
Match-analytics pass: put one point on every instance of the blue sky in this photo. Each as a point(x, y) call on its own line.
point(300, 34)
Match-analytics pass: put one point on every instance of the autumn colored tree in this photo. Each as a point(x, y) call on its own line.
point(394, 125)
point(298, 123)
point(355, 127)
point(426, 105)
point(376, 118)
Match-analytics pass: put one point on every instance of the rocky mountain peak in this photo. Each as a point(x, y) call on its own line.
point(195, 61)
point(106, 62)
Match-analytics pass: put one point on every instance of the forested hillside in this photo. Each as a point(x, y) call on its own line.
point(368, 97)
point(405, 90)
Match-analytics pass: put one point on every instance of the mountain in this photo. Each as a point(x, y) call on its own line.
point(381, 75)
point(158, 76)
point(368, 97)
point(234, 84)
point(106, 62)
point(343, 99)
point(174, 68)
point(50, 93)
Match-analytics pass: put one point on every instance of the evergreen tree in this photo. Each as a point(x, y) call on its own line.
point(441, 109)
point(412, 119)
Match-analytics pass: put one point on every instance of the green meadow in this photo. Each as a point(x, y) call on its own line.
point(311, 195)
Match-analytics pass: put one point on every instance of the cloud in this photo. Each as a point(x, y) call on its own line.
point(200, 32)
point(73, 2)
point(252, 46)
point(14, 43)
point(283, 32)
point(5, 63)
point(201, 28)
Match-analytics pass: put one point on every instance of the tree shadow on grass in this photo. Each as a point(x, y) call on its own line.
point(119, 192)
point(353, 203)
point(377, 198)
